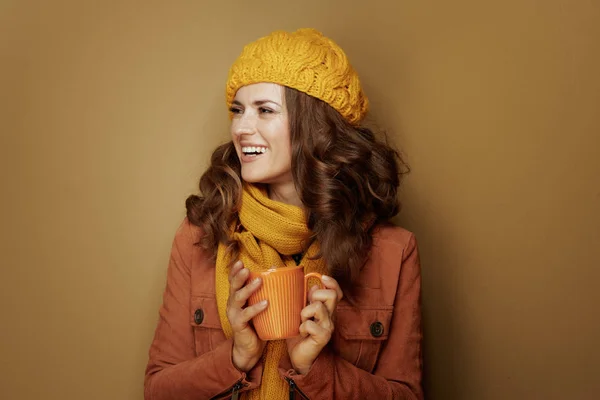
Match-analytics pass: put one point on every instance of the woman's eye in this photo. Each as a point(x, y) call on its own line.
point(264, 110)
point(235, 110)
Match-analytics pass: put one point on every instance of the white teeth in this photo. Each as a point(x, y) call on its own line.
point(254, 149)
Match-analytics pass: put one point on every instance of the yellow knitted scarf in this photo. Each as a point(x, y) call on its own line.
point(272, 232)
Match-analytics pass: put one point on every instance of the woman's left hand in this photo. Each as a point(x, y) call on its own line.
point(317, 325)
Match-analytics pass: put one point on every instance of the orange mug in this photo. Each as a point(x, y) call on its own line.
point(285, 289)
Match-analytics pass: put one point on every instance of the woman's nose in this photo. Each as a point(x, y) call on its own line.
point(245, 124)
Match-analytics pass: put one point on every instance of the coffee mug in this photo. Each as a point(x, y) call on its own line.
point(285, 289)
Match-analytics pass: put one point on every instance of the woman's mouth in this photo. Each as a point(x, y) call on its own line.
point(250, 153)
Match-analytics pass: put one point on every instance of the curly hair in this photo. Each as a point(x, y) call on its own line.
point(346, 177)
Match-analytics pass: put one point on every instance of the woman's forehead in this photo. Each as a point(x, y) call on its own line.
point(260, 91)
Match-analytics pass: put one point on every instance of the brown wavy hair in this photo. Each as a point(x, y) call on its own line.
point(346, 177)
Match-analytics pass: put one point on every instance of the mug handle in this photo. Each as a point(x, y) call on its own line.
point(309, 275)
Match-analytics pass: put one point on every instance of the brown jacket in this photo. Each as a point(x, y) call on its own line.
point(375, 352)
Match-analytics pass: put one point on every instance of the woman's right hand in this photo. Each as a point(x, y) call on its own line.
point(247, 347)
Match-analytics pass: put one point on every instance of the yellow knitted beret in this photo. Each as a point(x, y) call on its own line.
point(304, 60)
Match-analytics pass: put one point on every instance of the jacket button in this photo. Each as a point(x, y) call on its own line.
point(199, 316)
point(376, 329)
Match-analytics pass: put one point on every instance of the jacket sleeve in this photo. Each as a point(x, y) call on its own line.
point(398, 372)
point(174, 371)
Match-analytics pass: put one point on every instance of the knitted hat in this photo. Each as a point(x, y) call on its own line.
point(304, 60)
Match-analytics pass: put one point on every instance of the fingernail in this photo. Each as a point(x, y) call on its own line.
point(256, 281)
point(263, 303)
point(325, 277)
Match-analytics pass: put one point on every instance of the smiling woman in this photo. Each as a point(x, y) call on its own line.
point(301, 182)
point(261, 135)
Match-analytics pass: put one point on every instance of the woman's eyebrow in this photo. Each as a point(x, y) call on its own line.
point(257, 103)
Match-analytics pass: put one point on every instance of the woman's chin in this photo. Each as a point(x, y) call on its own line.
point(253, 178)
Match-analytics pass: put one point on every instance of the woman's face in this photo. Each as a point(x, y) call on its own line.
point(261, 134)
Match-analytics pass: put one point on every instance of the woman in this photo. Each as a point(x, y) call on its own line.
point(300, 182)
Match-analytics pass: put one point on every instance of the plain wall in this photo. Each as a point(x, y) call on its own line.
point(109, 111)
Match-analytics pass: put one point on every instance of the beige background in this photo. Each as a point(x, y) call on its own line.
point(110, 109)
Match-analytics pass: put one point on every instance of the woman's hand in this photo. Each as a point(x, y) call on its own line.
point(247, 347)
point(317, 325)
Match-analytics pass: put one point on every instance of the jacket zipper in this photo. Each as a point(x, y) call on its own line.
point(294, 389)
point(234, 392)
